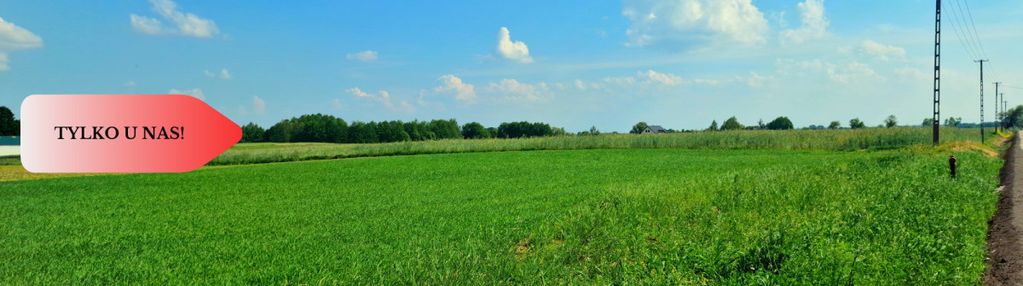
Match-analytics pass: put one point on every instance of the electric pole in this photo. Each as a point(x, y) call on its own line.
point(936, 123)
point(982, 99)
point(997, 118)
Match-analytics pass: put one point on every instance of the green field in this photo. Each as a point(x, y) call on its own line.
point(787, 214)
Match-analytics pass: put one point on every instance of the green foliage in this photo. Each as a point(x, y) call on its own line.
point(639, 128)
point(392, 131)
point(835, 125)
point(780, 123)
point(524, 130)
point(953, 121)
point(831, 140)
point(318, 128)
point(855, 123)
point(607, 217)
point(280, 132)
point(732, 124)
point(445, 129)
point(713, 126)
point(475, 130)
point(891, 121)
point(8, 126)
point(253, 133)
point(1013, 117)
point(363, 132)
point(928, 122)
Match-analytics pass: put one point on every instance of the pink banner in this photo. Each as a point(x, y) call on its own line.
point(121, 133)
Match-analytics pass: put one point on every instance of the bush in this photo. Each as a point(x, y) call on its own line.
point(475, 130)
point(780, 123)
point(253, 133)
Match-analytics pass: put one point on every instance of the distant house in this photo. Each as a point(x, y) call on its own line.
point(654, 129)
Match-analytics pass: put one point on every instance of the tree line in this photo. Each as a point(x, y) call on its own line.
point(331, 129)
point(8, 125)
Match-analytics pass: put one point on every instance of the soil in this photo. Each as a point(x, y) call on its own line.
point(1005, 248)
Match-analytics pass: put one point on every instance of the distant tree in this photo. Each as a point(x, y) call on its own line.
point(492, 131)
point(362, 132)
point(7, 124)
point(1013, 117)
point(731, 124)
point(780, 123)
point(891, 121)
point(927, 122)
point(391, 131)
point(953, 121)
point(835, 125)
point(594, 131)
point(419, 131)
point(760, 124)
point(855, 123)
point(17, 128)
point(253, 133)
point(524, 129)
point(474, 130)
point(446, 129)
point(280, 132)
point(639, 128)
point(558, 131)
point(318, 128)
point(713, 126)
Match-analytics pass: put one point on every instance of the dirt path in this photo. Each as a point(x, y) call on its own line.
point(1005, 248)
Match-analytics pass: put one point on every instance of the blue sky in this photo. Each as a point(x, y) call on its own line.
point(680, 63)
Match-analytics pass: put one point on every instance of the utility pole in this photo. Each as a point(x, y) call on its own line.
point(997, 117)
point(982, 99)
point(936, 123)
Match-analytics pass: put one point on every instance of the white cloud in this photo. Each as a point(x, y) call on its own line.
point(815, 23)
point(363, 56)
point(653, 21)
point(195, 92)
point(882, 51)
point(14, 38)
point(463, 92)
point(851, 72)
point(662, 78)
point(515, 51)
point(258, 105)
point(224, 74)
point(383, 97)
point(146, 25)
point(515, 90)
point(186, 24)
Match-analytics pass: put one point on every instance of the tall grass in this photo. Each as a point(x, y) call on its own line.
point(830, 140)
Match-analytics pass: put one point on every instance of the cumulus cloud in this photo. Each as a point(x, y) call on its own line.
point(383, 97)
point(185, 24)
point(815, 23)
point(195, 92)
point(512, 50)
point(463, 92)
point(13, 38)
point(653, 21)
point(514, 90)
point(363, 56)
point(662, 78)
point(882, 51)
point(224, 74)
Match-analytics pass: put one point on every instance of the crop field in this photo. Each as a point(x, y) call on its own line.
point(781, 214)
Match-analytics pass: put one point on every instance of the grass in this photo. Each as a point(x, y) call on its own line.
point(623, 216)
point(833, 140)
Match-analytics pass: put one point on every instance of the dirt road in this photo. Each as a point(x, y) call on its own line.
point(1005, 248)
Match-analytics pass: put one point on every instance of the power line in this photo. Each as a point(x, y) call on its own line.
point(974, 25)
point(960, 32)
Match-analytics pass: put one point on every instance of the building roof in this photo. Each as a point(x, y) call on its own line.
point(656, 128)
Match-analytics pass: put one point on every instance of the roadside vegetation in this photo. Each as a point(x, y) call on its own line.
point(827, 140)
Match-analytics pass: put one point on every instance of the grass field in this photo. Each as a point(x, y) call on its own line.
point(666, 216)
point(833, 140)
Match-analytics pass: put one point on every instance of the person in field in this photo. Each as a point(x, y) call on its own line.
point(952, 166)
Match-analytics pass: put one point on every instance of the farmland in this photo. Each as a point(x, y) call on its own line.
point(802, 208)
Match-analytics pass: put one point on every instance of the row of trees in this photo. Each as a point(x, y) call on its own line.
point(9, 126)
point(327, 128)
point(732, 123)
